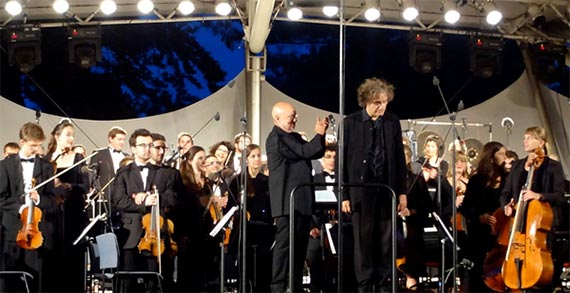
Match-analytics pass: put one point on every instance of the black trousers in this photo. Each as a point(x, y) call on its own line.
point(371, 220)
point(281, 252)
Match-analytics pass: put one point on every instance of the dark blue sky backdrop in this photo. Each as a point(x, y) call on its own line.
point(156, 68)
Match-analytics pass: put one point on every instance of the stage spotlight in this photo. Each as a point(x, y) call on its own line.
point(186, 7)
point(548, 60)
point(372, 12)
point(425, 51)
point(294, 13)
point(84, 45)
point(108, 7)
point(485, 56)
point(410, 11)
point(223, 8)
point(145, 6)
point(13, 7)
point(494, 16)
point(24, 47)
point(451, 13)
point(330, 10)
point(60, 6)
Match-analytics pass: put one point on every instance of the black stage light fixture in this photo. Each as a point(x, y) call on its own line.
point(24, 47)
point(548, 60)
point(84, 46)
point(485, 56)
point(425, 51)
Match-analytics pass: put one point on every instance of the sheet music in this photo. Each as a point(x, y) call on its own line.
point(223, 221)
point(328, 227)
point(325, 196)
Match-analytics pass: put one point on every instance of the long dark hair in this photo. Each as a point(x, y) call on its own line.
point(57, 130)
point(487, 165)
point(187, 171)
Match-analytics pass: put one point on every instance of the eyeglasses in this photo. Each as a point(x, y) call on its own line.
point(145, 145)
point(161, 148)
point(223, 150)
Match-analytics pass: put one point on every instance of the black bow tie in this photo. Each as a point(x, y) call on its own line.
point(142, 167)
point(31, 160)
point(116, 151)
point(327, 174)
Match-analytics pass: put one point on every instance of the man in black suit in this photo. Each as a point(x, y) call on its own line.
point(134, 197)
point(289, 161)
point(17, 173)
point(107, 160)
point(374, 153)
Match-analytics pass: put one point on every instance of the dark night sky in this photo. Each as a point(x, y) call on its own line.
point(145, 65)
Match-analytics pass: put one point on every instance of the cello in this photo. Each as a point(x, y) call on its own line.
point(528, 262)
point(29, 236)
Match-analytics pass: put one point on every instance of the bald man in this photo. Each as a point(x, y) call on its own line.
point(289, 160)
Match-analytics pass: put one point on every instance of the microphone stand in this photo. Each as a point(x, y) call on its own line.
point(452, 118)
point(243, 198)
point(216, 116)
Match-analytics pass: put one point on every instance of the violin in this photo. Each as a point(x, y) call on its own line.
point(460, 221)
point(217, 214)
point(528, 262)
point(152, 241)
point(29, 236)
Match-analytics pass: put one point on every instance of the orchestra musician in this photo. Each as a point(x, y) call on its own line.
point(107, 160)
point(480, 202)
point(548, 184)
point(16, 173)
point(174, 185)
point(11, 148)
point(71, 188)
point(184, 143)
point(241, 140)
point(133, 198)
point(260, 228)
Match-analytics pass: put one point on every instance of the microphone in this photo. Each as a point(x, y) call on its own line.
point(332, 120)
point(93, 167)
point(435, 81)
point(38, 115)
point(507, 122)
point(460, 106)
point(216, 116)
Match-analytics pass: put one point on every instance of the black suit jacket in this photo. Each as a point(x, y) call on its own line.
point(11, 189)
point(357, 138)
point(105, 169)
point(129, 182)
point(289, 161)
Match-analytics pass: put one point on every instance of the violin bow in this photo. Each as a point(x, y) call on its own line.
point(60, 173)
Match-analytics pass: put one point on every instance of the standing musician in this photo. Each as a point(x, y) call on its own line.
point(71, 188)
point(480, 202)
point(374, 153)
point(548, 183)
point(184, 143)
point(174, 184)
point(107, 160)
point(16, 174)
point(133, 197)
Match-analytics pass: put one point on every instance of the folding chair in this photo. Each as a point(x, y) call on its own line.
point(108, 252)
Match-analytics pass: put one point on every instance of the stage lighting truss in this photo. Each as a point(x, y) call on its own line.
point(24, 47)
point(425, 51)
point(84, 46)
point(549, 60)
point(485, 56)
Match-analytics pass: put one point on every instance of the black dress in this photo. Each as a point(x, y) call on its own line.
point(72, 220)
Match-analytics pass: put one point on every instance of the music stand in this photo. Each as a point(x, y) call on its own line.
point(215, 231)
point(86, 230)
